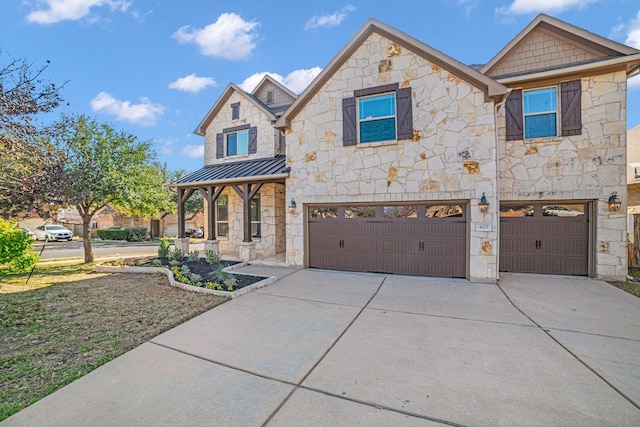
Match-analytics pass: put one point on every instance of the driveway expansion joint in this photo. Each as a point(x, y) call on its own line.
point(574, 355)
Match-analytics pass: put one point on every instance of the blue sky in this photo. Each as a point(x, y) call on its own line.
point(154, 68)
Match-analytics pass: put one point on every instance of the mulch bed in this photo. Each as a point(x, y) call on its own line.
point(208, 272)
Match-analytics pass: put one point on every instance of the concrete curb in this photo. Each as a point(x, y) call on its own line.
point(100, 268)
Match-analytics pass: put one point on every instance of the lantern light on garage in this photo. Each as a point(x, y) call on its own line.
point(292, 206)
point(483, 205)
point(614, 203)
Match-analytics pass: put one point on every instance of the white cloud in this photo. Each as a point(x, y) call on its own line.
point(61, 10)
point(230, 37)
point(296, 81)
point(329, 21)
point(521, 7)
point(634, 83)
point(633, 36)
point(144, 114)
point(165, 146)
point(193, 151)
point(192, 83)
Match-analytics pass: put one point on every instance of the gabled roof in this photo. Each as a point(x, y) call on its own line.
point(268, 79)
point(490, 87)
point(607, 48)
point(253, 170)
point(200, 130)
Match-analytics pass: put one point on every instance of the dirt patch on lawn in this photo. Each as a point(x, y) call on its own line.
point(53, 335)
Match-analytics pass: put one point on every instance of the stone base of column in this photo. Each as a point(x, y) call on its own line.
point(247, 251)
point(212, 246)
point(182, 244)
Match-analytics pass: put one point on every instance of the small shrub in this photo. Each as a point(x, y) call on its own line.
point(164, 249)
point(114, 233)
point(195, 278)
point(213, 285)
point(194, 256)
point(230, 281)
point(156, 262)
point(174, 262)
point(185, 270)
point(137, 234)
point(212, 258)
point(177, 254)
point(230, 288)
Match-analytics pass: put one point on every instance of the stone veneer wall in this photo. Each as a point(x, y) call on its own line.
point(249, 114)
point(589, 166)
point(451, 157)
point(272, 219)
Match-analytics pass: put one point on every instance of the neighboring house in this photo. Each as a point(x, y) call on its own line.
point(400, 159)
point(633, 191)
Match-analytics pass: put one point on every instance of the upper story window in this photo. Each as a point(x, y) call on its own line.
point(377, 118)
point(377, 114)
point(544, 112)
point(235, 111)
point(238, 143)
point(540, 112)
point(270, 97)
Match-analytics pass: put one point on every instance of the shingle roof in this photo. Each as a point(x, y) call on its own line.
point(241, 171)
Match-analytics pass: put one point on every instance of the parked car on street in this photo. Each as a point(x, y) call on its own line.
point(53, 232)
point(194, 232)
point(28, 233)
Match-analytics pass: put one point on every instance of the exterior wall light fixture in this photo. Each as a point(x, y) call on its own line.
point(614, 203)
point(483, 205)
point(292, 206)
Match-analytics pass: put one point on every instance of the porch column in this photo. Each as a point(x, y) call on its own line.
point(247, 193)
point(181, 192)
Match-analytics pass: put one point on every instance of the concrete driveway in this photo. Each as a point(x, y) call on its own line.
point(333, 348)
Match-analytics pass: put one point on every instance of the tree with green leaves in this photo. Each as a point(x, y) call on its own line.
point(106, 167)
point(194, 204)
point(29, 167)
point(15, 248)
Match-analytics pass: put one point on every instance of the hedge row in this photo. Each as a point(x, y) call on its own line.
point(130, 234)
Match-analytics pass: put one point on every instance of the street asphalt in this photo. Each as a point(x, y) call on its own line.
point(347, 349)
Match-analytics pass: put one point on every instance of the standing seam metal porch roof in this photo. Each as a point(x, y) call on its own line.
point(264, 169)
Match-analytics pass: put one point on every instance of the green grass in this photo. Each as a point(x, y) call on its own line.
point(69, 320)
point(630, 286)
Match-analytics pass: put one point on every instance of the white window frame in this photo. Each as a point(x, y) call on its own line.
point(218, 221)
point(394, 116)
point(540, 113)
point(226, 143)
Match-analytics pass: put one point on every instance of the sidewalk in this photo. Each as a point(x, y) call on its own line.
point(333, 348)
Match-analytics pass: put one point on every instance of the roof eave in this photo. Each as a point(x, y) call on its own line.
point(628, 63)
point(227, 181)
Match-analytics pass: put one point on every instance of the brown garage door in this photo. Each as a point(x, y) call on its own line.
point(425, 240)
point(548, 238)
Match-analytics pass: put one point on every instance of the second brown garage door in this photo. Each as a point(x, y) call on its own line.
point(427, 240)
point(551, 238)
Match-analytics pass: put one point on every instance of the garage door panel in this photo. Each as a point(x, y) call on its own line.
point(412, 244)
point(550, 239)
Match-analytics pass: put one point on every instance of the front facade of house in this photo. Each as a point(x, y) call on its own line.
point(400, 159)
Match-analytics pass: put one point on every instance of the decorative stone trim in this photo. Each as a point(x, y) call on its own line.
point(100, 268)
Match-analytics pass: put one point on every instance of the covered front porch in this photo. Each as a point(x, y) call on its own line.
point(245, 207)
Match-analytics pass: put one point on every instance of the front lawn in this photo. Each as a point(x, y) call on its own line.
point(70, 320)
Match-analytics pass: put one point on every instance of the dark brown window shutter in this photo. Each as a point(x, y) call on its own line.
point(513, 108)
point(570, 102)
point(405, 113)
point(253, 140)
point(219, 145)
point(349, 123)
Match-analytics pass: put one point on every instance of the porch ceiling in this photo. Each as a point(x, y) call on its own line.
point(254, 170)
